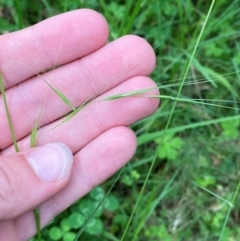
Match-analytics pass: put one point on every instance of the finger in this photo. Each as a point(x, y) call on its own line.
point(98, 117)
point(92, 165)
point(80, 80)
point(55, 41)
point(35, 176)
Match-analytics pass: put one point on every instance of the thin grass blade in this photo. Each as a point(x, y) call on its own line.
point(214, 194)
point(33, 143)
point(37, 222)
point(169, 119)
point(152, 136)
point(8, 115)
point(99, 205)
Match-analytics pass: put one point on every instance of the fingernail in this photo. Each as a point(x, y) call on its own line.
point(51, 162)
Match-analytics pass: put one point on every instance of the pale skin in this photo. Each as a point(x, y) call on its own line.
point(98, 136)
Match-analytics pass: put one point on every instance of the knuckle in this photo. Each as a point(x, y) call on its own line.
point(86, 181)
point(96, 119)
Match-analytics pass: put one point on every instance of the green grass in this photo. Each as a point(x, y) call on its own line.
point(199, 78)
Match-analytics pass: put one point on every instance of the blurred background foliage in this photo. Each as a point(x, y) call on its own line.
point(202, 143)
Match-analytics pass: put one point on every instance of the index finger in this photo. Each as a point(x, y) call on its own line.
point(55, 41)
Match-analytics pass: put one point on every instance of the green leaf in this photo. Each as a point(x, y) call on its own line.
point(97, 193)
point(212, 49)
point(117, 10)
point(206, 180)
point(120, 218)
point(127, 180)
point(55, 233)
point(111, 203)
point(170, 147)
point(69, 236)
point(75, 220)
point(160, 233)
point(230, 128)
point(94, 227)
point(135, 174)
point(65, 225)
point(86, 206)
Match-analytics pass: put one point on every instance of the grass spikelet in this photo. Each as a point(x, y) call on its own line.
point(61, 95)
point(129, 94)
point(33, 138)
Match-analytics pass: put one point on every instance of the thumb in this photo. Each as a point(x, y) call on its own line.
point(29, 178)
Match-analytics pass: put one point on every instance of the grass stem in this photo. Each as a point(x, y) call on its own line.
point(169, 120)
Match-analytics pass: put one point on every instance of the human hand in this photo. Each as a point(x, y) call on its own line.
point(98, 136)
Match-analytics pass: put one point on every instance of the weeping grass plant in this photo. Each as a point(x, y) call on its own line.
point(175, 98)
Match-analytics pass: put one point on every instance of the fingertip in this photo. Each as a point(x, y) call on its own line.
point(141, 49)
point(127, 139)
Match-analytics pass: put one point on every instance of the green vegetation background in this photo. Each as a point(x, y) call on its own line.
point(202, 143)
